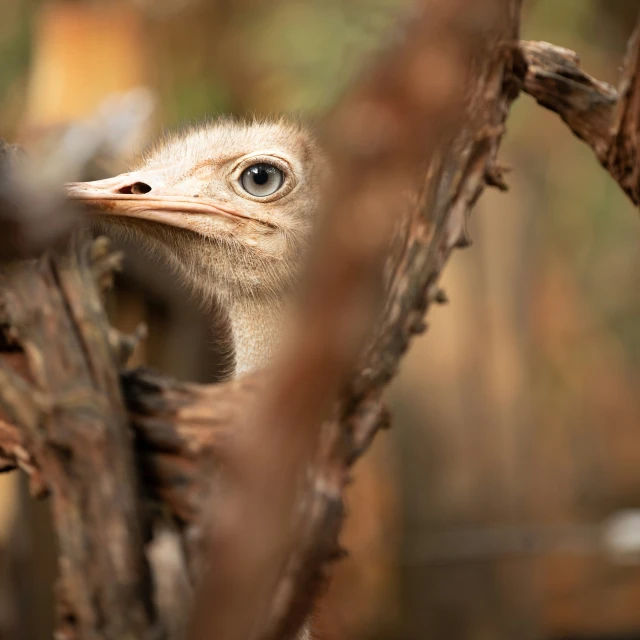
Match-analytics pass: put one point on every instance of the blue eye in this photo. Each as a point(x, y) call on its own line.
point(262, 179)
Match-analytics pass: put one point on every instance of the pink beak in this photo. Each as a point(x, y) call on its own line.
point(144, 195)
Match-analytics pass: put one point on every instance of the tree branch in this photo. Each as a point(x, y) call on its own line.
point(277, 526)
point(74, 427)
point(607, 119)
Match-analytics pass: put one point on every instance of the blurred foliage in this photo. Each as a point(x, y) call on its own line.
point(302, 53)
point(15, 48)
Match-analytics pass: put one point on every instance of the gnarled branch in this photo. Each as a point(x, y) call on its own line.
point(607, 119)
point(74, 427)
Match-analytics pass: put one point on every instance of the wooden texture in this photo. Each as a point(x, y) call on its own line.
point(606, 118)
point(74, 426)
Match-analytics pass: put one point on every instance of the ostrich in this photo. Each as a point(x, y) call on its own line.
point(230, 206)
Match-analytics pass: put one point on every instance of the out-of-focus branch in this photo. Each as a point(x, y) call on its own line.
point(276, 525)
point(59, 384)
point(437, 219)
point(32, 217)
point(607, 119)
point(26, 232)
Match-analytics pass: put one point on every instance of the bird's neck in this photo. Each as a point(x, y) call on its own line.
point(256, 329)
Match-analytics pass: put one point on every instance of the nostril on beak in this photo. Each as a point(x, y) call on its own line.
point(135, 188)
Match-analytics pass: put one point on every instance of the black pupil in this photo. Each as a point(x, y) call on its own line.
point(261, 173)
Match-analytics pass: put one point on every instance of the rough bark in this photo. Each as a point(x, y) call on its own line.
point(74, 430)
point(606, 118)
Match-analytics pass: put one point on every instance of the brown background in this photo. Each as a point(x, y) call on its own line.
point(518, 408)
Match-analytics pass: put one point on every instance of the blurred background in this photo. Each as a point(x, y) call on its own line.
point(517, 415)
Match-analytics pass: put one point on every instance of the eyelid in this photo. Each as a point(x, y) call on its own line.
point(289, 182)
point(249, 161)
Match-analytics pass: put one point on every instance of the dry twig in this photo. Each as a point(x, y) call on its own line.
point(607, 119)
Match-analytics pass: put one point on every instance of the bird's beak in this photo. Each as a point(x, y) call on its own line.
point(145, 196)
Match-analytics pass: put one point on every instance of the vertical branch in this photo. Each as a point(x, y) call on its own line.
point(285, 474)
point(77, 428)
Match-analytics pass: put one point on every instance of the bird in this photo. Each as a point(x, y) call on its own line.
point(230, 205)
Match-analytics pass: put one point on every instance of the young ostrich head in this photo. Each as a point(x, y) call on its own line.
point(230, 206)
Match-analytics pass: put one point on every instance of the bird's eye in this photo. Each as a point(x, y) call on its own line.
point(262, 179)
